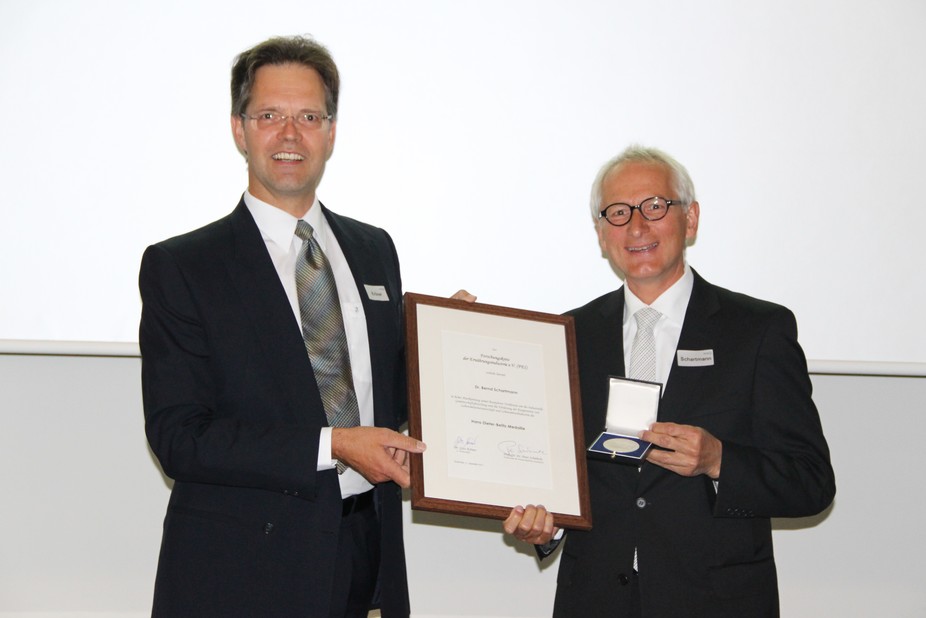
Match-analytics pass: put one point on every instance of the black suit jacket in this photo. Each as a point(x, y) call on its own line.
point(701, 552)
point(233, 414)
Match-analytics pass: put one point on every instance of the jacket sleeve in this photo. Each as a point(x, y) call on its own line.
point(785, 469)
point(209, 417)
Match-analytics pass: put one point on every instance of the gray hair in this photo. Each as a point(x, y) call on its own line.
point(635, 153)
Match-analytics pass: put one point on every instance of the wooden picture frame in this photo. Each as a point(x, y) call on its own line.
point(494, 393)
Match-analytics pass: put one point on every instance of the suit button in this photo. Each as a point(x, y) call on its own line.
point(641, 503)
point(623, 579)
point(268, 528)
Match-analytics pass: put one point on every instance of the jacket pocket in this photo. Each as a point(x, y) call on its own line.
point(748, 579)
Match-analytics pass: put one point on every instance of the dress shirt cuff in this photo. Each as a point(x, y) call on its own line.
point(547, 548)
point(325, 462)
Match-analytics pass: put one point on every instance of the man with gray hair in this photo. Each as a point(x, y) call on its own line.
point(738, 439)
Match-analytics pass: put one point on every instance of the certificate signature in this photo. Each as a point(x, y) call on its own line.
point(465, 444)
point(511, 449)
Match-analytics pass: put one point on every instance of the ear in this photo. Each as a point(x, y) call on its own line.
point(237, 127)
point(691, 221)
point(599, 230)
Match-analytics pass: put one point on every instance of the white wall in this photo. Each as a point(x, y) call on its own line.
point(472, 131)
point(83, 503)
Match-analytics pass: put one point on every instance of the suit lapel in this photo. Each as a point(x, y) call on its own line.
point(699, 332)
point(602, 356)
point(360, 255)
point(613, 316)
point(367, 267)
point(267, 306)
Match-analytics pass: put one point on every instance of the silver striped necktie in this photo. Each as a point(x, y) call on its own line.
point(643, 351)
point(323, 332)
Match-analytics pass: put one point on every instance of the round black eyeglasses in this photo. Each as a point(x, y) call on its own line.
point(652, 208)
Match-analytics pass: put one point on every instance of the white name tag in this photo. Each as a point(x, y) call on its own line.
point(695, 358)
point(376, 292)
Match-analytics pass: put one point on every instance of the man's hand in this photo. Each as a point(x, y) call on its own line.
point(532, 524)
point(693, 450)
point(379, 454)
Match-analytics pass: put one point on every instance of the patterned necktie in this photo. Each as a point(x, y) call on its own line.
point(643, 352)
point(323, 332)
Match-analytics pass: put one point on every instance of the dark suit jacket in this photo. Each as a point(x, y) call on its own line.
point(233, 414)
point(701, 552)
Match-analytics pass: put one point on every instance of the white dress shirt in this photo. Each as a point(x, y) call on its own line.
point(278, 229)
point(672, 304)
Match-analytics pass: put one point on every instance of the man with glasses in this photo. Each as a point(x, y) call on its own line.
point(273, 376)
point(738, 438)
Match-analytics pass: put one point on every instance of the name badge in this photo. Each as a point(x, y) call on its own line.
point(376, 292)
point(695, 358)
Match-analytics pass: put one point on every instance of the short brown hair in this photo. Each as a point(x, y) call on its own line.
point(284, 50)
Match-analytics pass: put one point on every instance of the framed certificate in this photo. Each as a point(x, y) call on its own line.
point(494, 393)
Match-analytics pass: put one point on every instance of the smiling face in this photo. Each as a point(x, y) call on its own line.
point(650, 254)
point(285, 162)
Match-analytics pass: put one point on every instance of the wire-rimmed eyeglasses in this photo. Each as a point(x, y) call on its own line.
point(304, 120)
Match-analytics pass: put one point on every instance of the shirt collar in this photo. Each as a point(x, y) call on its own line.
point(279, 226)
point(673, 303)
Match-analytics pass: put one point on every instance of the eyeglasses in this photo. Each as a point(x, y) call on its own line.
point(652, 208)
point(307, 120)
